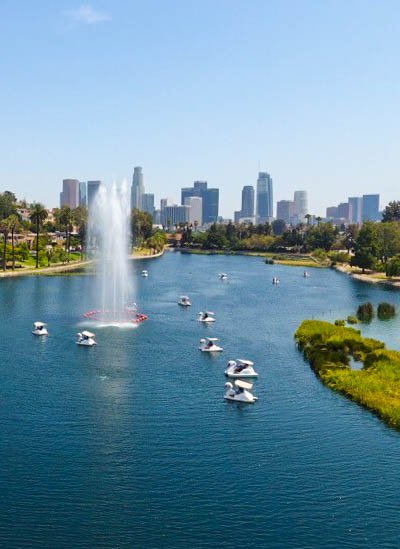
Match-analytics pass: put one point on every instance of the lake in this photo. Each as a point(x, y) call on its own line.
point(131, 443)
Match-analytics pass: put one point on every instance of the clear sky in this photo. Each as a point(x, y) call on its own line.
point(205, 89)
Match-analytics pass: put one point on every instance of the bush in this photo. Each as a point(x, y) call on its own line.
point(340, 322)
point(352, 320)
point(365, 312)
point(386, 311)
point(269, 261)
point(319, 254)
point(339, 257)
point(393, 266)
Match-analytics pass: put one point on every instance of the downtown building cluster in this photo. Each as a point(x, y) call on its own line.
point(356, 210)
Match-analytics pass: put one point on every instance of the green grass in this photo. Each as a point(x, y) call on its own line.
point(376, 386)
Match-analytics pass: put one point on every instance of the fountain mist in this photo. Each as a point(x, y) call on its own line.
point(109, 232)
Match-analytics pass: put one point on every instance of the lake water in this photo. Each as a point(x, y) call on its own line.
point(131, 444)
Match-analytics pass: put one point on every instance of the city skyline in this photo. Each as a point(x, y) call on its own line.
point(320, 119)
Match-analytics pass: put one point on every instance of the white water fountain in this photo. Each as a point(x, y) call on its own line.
point(109, 237)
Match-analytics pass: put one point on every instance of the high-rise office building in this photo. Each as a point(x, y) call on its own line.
point(355, 209)
point(137, 189)
point(286, 210)
point(264, 198)
point(344, 211)
point(210, 199)
point(196, 209)
point(301, 203)
point(247, 201)
point(370, 207)
point(82, 194)
point(70, 193)
point(92, 190)
point(173, 215)
point(164, 202)
point(332, 212)
point(148, 203)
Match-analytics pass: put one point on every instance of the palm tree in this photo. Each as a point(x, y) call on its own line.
point(318, 219)
point(38, 215)
point(66, 220)
point(13, 225)
point(308, 217)
point(4, 228)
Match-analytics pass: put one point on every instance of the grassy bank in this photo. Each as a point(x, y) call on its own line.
point(280, 259)
point(330, 350)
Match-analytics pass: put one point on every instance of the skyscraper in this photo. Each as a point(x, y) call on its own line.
point(196, 209)
point(70, 193)
point(344, 211)
point(247, 201)
point(355, 209)
point(82, 194)
point(210, 204)
point(301, 202)
point(148, 203)
point(370, 207)
point(137, 189)
point(264, 198)
point(286, 210)
point(92, 189)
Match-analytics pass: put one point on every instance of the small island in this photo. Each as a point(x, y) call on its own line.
point(332, 349)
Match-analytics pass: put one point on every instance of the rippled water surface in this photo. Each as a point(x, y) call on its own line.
point(131, 444)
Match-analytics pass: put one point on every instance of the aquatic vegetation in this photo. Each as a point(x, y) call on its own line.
point(365, 312)
point(340, 322)
point(386, 311)
point(352, 319)
point(329, 350)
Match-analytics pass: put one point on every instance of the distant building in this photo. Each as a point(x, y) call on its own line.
point(137, 189)
point(332, 212)
point(148, 203)
point(210, 199)
point(82, 194)
point(370, 207)
point(173, 215)
point(247, 201)
point(92, 190)
point(344, 211)
point(196, 210)
point(355, 209)
point(164, 202)
point(286, 210)
point(264, 198)
point(70, 193)
point(301, 204)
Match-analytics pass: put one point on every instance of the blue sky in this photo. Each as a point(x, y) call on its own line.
point(215, 90)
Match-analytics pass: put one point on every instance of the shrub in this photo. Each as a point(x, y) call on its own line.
point(365, 312)
point(269, 261)
point(386, 311)
point(339, 257)
point(352, 320)
point(393, 266)
point(340, 322)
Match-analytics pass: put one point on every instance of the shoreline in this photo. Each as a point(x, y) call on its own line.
point(370, 278)
point(64, 268)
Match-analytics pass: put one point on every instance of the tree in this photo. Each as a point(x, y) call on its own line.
point(391, 212)
point(13, 224)
point(366, 247)
point(65, 218)
point(141, 226)
point(389, 239)
point(318, 220)
point(80, 217)
point(393, 266)
point(38, 215)
point(8, 204)
point(278, 227)
point(321, 236)
point(308, 217)
point(4, 228)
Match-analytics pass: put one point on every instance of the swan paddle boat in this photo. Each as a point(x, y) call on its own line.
point(240, 368)
point(39, 329)
point(209, 345)
point(145, 273)
point(207, 316)
point(87, 339)
point(240, 391)
point(184, 301)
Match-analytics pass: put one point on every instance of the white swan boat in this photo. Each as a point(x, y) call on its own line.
point(86, 339)
point(209, 345)
point(207, 316)
point(276, 280)
point(39, 329)
point(184, 301)
point(145, 273)
point(240, 368)
point(223, 276)
point(240, 391)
